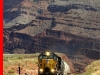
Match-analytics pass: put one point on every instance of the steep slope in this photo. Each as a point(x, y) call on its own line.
point(76, 17)
point(93, 68)
point(14, 11)
point(79, 18)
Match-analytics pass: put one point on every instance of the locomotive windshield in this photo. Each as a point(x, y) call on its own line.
point(46, 57)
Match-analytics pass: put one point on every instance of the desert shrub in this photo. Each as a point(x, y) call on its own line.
point(20, 58)
point(11, 71)
point(6, 73)
point(6, 65)
point(5, 59)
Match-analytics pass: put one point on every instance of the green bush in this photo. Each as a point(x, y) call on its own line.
point(20, 58)
point(11, 71)
point(5, 59)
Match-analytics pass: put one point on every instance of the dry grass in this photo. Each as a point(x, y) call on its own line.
point(26, 62)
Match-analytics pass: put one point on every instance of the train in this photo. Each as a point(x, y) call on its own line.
point(50, 63)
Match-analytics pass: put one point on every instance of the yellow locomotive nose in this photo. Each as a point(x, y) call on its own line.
point(47, 63)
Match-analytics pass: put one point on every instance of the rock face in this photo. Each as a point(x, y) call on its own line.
point(80, 18)
point(71, 27)
point(78, 48)
point(63, 6)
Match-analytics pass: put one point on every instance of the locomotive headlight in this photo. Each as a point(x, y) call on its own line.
point(47, 53)
point(52, 70)
point(41, 70)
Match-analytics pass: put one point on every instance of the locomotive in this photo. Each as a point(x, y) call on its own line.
point(50, 63)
